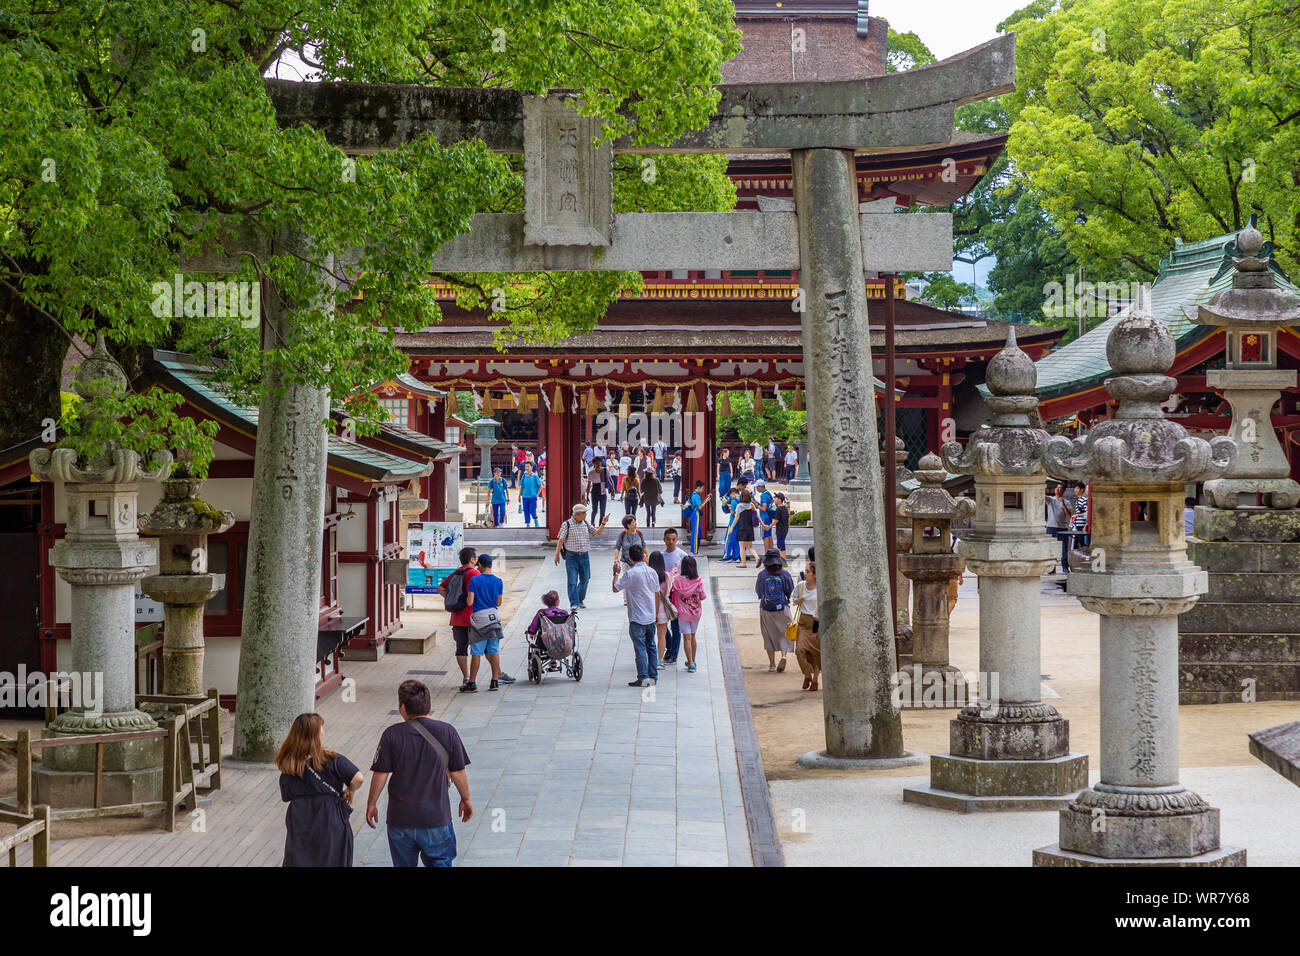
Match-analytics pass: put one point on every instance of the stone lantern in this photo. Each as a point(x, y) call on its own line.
point(183, 584)
point(1139, 581)
point(930, 564)
point(485, 437)
point(1242, 640)
point(903, 476)
point(1009, 751)
point(101, 557)
point(1250, 314)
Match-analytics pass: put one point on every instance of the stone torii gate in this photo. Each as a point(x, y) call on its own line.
point(569, 225)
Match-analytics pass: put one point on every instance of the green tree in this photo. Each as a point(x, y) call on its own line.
point(772, 421)
point(1138, 122)
point(133, 130)
point(906, 50)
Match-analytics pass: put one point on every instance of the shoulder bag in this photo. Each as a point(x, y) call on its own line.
point(438, 747)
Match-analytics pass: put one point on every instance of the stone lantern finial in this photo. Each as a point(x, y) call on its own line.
point(1012, 445)
point(1139, 444)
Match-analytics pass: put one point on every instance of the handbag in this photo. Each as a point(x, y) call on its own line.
point(792, 628)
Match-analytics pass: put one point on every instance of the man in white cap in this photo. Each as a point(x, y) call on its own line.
point(574, 544)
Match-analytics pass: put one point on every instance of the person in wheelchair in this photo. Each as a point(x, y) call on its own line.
point(553, 611)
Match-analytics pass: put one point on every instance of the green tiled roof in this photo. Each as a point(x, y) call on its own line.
point(175, 371)
point(1187, 276)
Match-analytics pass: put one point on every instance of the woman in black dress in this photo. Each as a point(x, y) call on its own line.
point(318, 785)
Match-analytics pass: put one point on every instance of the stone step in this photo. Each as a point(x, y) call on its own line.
point(1239, 648)
point(1279, 588)
point(410, 641)
point(1220, 618)
point(1219, 525)
point(1248, 556)
point(1224, 683)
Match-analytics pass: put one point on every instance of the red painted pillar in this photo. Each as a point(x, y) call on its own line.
point(559, 467)
point(697, 459)
point(436, 482)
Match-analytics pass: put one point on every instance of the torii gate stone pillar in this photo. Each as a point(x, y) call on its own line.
point(569, 225)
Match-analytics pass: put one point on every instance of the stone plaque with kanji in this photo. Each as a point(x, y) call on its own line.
point(568, 197)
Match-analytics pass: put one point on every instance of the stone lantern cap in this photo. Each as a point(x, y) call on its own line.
point(1139, 444)
point(931, 501)
point(182, 512)
point(1254, 301)
point(1012, 445)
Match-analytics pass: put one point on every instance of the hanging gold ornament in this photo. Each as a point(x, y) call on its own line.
point(658, 406)
point(593, 406)
point(557, 402)
point(758, 399)
point(692, 403)
point(724, 405)
point(796, 404)
point(625, 406)
point(521, 401)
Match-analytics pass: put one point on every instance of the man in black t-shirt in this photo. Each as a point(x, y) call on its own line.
point(419, 810)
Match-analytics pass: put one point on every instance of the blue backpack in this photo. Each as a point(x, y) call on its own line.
point(773, 597)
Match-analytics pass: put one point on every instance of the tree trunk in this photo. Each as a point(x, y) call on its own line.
point(32, 351)
point(277, 656)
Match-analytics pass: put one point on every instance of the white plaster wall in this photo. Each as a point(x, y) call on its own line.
point(352, 588)
point(352, 531)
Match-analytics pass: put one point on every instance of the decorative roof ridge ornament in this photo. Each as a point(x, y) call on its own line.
point(1011, 445)
point(1139, 443)
point(99, 378)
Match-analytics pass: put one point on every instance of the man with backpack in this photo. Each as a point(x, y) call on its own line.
point(774, 586)
point(421, 756)
point(455, 598)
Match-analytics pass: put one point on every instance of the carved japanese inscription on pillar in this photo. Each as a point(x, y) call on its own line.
point(1144, 710)
point(568, 199)
point(847, 402)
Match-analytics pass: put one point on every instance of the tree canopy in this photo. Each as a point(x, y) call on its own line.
point(133, 130)
point(1136, 122)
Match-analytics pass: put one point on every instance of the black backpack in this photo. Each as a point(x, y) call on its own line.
point(455, 598)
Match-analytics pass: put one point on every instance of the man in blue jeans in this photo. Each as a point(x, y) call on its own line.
point(641, 584)
point(574, 540)
point(419, 809)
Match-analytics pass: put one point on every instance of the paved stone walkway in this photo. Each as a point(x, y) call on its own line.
point(596, 772)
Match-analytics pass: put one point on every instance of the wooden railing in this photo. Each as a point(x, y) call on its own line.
point(184, 771)
point(33, 828)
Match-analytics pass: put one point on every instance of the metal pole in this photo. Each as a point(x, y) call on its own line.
point(887, 453)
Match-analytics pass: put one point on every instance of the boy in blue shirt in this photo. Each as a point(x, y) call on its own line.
point(483, 592)
point(529, 487)
point(497, 488)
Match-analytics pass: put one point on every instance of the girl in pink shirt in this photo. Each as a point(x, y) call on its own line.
point(687, 596)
